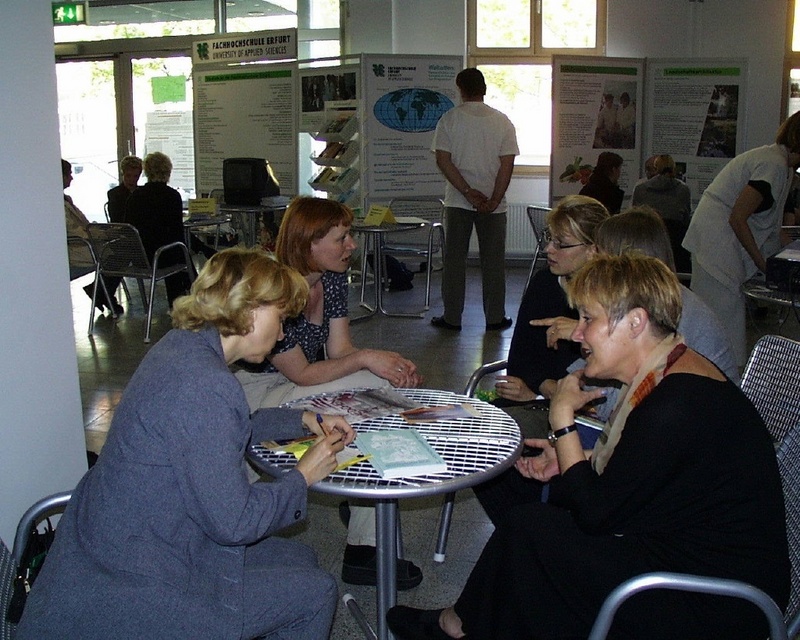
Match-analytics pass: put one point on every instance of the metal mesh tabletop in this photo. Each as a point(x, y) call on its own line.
point(757, 290)
point(475, 450)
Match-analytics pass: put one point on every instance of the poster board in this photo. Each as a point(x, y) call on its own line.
point(693, 114)
point(246, 111)
point(687, 108)
point(404, 97)
point(585, 125)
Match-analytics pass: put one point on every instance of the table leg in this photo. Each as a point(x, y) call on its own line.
point(371, 310)
point(378, 257)
point(386, 592)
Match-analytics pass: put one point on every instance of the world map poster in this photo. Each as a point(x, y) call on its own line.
point(404, 98)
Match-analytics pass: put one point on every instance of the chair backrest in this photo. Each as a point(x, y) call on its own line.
point(537, 216)
point(119, 250)
point(428, 208)
point(771, 380)
point(81, 257)
point(789, 465)
point(7, 573)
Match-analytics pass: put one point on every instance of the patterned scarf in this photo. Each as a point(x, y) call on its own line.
point(649, 375)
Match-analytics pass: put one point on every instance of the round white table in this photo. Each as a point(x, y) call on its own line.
point(475, 449)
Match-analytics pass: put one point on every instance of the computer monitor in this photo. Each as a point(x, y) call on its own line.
point(247, 180)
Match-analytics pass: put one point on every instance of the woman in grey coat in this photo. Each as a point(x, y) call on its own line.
point(165, 537)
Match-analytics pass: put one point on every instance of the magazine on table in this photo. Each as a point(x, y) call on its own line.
point(298, 447)
point(357, 405)
point(444, 412)
point(399, 453)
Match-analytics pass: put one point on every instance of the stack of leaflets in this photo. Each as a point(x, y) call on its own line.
point(357, 405)
point(400, 453)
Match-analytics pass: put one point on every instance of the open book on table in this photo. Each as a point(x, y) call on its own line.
point(399, 453)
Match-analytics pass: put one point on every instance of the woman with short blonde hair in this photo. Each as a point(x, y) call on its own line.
point(683, 479)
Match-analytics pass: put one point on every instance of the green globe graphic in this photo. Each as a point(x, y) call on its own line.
point(411, 110)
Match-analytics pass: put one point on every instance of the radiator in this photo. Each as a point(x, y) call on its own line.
point(519, 235)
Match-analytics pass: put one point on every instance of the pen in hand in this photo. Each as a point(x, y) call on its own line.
point(321, 426)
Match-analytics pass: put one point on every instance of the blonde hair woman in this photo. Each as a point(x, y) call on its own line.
point(683, 479)
point(165, 531)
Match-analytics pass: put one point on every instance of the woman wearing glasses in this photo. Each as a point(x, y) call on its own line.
point(533, 367)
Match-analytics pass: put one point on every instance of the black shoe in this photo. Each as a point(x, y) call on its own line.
point(360, 567)
point(118, 308)
point(505, 323)
point(344, 512)
point(440, 323)
point(407, 623)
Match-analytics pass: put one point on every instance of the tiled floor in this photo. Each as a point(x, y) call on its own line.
point(446, 359)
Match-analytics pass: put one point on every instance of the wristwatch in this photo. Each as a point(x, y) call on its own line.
point(553, 436)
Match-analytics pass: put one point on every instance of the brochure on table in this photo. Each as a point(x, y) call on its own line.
point(685, 108)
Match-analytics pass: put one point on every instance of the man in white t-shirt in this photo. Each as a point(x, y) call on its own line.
point(475, 147)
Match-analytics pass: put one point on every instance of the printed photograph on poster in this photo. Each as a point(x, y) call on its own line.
point(616, 117)
point(718, 139)
point(318, 87)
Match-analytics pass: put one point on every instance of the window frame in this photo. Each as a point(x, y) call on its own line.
point(535, 49)
point(532, 55)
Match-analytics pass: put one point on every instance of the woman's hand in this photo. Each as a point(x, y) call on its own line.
point(320, 459)
point(569, 397)
point(559, 328)
point(513, 388)
point(393, 367)
point(542, 467)
point(329, 424)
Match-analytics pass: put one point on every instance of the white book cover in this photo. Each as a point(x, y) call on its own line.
point(400, 453)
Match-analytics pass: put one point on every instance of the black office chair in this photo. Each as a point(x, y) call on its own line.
point(9, 561)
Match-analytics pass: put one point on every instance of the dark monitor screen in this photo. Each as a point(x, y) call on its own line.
point(247, 180)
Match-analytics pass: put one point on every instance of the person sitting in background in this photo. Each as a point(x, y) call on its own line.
point(78, 225)
point(672, 200)
point(164, 537)
point(156, 210)
point(533, 367)
point(602, 184)
point(317, 354)
point(684, 479)
point(130, 168)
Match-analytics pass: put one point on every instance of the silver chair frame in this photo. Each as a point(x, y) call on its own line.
point(425, 242)
point(120, 252)
point(685, 582)
point(77, 270)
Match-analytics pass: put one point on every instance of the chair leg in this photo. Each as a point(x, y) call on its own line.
point(444, 527)
point(125, 289)
point(142, 292)
point(533, 267)
point(149, 309)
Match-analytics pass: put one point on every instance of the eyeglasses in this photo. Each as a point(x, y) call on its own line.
point(547, 238)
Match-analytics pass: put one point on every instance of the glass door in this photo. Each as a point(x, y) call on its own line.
point(87, 117)
point(162, 115)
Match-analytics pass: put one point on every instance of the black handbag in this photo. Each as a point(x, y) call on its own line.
point(33, 556)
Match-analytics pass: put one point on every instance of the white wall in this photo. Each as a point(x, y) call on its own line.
point(43, 448)
point(754, 30)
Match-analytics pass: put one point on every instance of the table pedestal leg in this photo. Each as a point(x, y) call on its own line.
point(386, 593)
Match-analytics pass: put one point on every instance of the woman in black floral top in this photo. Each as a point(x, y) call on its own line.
point(315, 239)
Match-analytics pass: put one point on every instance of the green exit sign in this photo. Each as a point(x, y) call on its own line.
point(69, 13)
